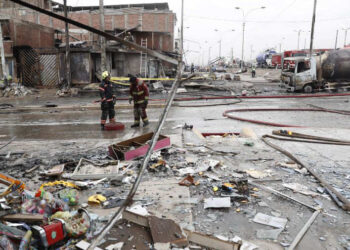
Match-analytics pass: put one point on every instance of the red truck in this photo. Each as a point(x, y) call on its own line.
point(289, 64)
point(276, 61)
point(288, 56)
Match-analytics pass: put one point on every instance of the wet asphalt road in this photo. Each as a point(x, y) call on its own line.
point(64, 125)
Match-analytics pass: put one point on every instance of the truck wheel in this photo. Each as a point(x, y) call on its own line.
point(308, 88)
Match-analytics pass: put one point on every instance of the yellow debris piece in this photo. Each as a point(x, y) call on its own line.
point(64, 183)
point(97, 199)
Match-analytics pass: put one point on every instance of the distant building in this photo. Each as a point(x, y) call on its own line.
point(31, 36)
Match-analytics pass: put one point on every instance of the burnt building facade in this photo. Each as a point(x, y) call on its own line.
point(150, 25)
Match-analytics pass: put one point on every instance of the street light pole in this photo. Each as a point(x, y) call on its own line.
point(281, 44)
point(313, 28)
point(220, 48)
point(209, 56)
point(243, 29)
point(103, 40)
point(66, 25)
point(336, 40)
point(345, 35)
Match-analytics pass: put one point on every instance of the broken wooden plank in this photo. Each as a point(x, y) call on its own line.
point(211, 242)
point(26, 218)
point(165, 231)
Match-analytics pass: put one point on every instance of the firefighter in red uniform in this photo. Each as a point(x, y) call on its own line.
point(107, 100)
point(139, 93)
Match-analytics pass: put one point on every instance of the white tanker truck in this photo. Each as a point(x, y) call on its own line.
point(313, 73)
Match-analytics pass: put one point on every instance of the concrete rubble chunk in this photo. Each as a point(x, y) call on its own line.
point(217, 203)
point(268, 234)
point(83, 245)
point(270, 220)
point(138, 209)
point(117, 246)
point(257, 174)
point(248, 133)
point(296, 187)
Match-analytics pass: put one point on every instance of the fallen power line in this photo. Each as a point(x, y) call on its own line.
point(7, 143)
point(306, 138)
point(337, 197)
point(228, 115)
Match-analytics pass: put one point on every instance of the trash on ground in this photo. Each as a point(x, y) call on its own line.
point(217, 203)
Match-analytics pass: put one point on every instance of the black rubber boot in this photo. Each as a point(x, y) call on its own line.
point(102, 127)
point(135, 125)
point(145, 124)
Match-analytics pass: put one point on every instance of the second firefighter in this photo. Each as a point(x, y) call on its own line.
point(139, 94)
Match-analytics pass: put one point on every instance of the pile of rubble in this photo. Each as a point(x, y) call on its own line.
point(15, 89)
point(197, 181)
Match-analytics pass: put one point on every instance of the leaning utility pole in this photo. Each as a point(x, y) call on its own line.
point(313, 28)
point(182, 31)
point(2, 55)
point(345, 35)
point(336, 40)
point(243, 30)
point(68, 76)
point(103, 40)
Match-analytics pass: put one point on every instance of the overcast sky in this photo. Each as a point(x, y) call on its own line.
point(265, 28)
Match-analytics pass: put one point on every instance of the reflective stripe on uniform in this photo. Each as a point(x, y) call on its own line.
point(139, 102)
point(138, 93)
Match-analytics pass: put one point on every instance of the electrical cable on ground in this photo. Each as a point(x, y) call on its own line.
point(228, 115)
point(249, 97)
point(207, 105)
point(12, 139)
point(146, 159)
point(309, 141)
point(306, 138)
point(338, 198)
point(339, 110)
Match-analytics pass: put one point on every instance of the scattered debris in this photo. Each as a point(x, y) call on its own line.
point(217, 203)
point(257, 174)
point(248, 133)
point(271, 234)
point(188, 181)
point(270, 220)
point(296, 187)
point(54, 171)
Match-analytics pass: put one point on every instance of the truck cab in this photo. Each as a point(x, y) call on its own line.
point(303, 76)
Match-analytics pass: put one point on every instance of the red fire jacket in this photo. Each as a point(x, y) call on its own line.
point(139, 92)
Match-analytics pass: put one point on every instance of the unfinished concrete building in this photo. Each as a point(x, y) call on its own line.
point(34, 42)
